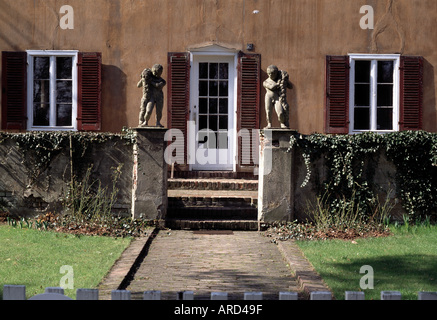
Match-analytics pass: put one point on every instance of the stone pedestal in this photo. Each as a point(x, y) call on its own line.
point(275, 194)
point(149, 194)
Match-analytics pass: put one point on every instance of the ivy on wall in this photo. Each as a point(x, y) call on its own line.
point(351, 161)
point(415, 157)
point(39, 148)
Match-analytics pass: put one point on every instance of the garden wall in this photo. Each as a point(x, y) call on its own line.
point(398, 169)
point(382, 178)
point(36, 169)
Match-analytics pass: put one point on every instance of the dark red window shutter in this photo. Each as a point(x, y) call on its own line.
point(89, 91)
point(178, 86)
point(411, 93)
point(337, 94)
point(248, 104)
point(14, 90)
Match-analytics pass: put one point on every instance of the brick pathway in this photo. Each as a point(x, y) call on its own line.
point(238, 262)
point(234, 263)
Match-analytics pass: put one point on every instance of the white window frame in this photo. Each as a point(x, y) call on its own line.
point(53, 54)
point(374, 58)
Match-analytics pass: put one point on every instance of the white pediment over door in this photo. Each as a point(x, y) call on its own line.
point(211, 47)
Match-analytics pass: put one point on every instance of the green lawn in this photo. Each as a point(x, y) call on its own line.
point(405, 262)
point(34, 258)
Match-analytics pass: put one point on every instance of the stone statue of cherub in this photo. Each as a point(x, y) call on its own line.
point(276, 96)
point(152, 85)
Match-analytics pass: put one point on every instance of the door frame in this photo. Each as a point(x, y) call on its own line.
point(213, 53)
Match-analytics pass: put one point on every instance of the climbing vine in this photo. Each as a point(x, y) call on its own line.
point(39, 148)
point(351, 161)
point(415, 157)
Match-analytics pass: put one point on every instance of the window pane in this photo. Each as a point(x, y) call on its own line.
point(203, 122)
point(224, 87)
point(64, 67)
point(223, 106)
point(212, 140)
point(41, 91)
point(224, 71)
point(63, 115)
point(385, 119)
point(213, 123)
point(385, 71)
point(41, 114)
point(223, 122)
point(385, 95)
point(203, 88)
point(203, 105)
point(362, 71)
point(203, 70)
point(362, 119)
point(52, 91)
point(207, 138)
point(202, 137)
point(213, 102)
point(41, 68)
point(213, 71)
point(64, 91)
point(362, 95)
point(222, 140)
point(213, 88)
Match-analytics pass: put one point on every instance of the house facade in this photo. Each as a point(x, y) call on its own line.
point(355, 66)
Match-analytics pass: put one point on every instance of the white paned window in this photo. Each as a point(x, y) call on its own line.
point(52, 90)
point(374, 93)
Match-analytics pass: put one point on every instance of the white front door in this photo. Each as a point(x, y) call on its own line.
point(212, 107)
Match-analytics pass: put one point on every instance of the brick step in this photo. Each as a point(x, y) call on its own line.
point(211, 201)
point(241, 225)
point(213, 175)
point(212, 213)
point(213, 184)
point(221, 205)
point(213, 194)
